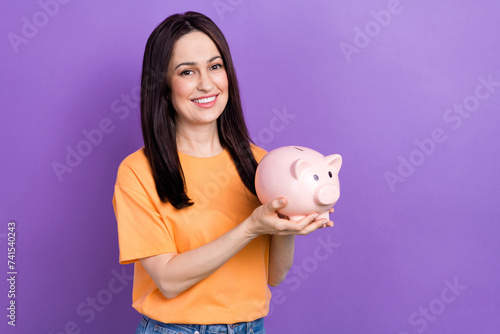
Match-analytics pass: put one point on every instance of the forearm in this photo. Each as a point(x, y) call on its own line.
point(184, 270)
point(175, 273)
point(280, 258)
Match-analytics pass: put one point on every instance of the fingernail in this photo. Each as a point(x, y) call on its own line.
point(281, 201)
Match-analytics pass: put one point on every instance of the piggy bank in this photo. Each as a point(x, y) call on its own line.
point(305, 177)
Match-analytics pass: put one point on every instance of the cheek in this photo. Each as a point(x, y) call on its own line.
point(225, 83)
point(221, 81)
point(180, 89)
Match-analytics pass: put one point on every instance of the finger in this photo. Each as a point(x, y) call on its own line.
point(277, 204)
point(313, 226)
point(312, 219)
point(285, 226)
point(294, 226)
point(327, 224)
point(306, 220)
point(331, 210)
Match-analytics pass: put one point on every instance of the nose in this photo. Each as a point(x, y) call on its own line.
point(327, 195)
point(205, 83)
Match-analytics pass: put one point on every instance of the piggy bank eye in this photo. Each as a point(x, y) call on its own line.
point(330, 174)
point(316, 177)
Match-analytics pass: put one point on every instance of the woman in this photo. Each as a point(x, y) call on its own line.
point(204, 248)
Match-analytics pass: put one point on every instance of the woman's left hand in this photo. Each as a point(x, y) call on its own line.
point(325, 224)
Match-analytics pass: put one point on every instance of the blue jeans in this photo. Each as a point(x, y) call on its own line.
point(150, 326)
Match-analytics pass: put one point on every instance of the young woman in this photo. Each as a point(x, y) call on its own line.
point(204, 248)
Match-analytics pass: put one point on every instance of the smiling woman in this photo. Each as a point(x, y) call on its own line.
point(203, 261)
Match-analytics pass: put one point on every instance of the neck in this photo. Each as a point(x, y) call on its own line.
point(201, 141)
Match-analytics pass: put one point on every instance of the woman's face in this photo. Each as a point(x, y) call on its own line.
point(197, 79)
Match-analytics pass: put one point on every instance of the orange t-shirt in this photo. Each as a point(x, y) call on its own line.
point(238, 290)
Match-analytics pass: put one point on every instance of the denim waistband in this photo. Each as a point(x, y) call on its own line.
point(238, 328)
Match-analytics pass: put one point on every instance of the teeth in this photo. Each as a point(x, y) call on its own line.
point(205, 100)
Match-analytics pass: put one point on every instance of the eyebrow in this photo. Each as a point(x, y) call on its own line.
point(192, 63)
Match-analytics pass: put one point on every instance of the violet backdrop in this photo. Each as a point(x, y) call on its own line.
point(407, 91)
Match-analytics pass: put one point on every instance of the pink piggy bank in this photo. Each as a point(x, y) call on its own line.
point(305, 177)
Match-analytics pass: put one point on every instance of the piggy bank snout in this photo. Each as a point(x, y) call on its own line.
point(327, 195)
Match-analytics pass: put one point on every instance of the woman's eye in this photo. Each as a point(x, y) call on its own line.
point(186, 72)
point(216, 66)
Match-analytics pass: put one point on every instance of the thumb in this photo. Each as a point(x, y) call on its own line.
point(277, 204)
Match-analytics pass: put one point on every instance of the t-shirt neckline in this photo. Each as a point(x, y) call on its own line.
point(202, 158)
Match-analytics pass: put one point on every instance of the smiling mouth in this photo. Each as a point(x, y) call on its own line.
point(205, 100)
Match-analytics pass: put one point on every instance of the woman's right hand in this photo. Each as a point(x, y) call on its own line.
point(265, 220)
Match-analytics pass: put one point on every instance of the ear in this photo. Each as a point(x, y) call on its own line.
point(334, 161)
point(298, 167)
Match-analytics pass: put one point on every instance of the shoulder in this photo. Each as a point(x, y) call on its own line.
point(135, 166)
point(258, 152)
point(138, 158)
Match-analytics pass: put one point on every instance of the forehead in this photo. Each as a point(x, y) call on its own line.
point(194, 47)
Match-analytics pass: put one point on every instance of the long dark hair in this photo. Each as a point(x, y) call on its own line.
point(157, 113)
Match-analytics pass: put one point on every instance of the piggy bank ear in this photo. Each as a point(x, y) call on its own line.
point(298, 167)
point(334, 161)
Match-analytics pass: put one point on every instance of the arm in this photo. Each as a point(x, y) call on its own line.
point(280, 258)
point(281, 255)
point(175, 273)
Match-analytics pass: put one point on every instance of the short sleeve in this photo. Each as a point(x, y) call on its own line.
point(258, 152)
point(142, 231)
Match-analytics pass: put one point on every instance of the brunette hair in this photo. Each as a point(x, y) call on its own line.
point(157, 113)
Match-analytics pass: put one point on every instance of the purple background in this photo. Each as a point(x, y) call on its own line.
point(396, 246)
